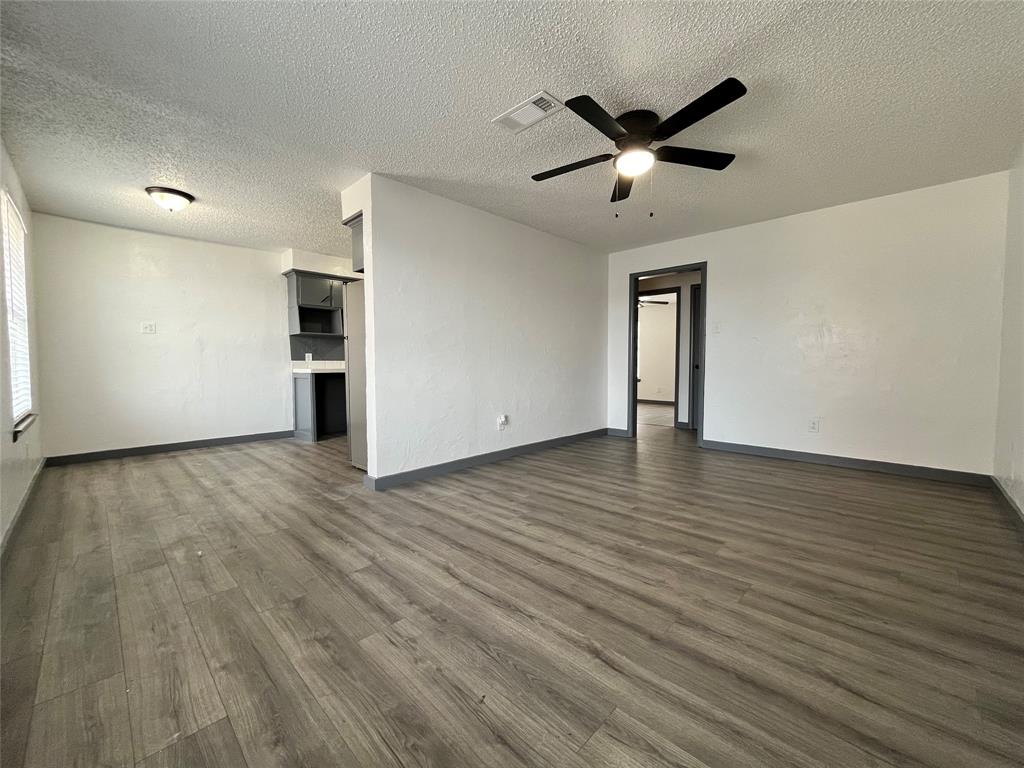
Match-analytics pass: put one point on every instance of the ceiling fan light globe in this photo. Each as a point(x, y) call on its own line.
point(634, 162)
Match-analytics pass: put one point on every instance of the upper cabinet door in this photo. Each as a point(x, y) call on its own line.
point(315, 291)
point(337, 294)
point(357, 244)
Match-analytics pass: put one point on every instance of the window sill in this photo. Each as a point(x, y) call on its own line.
point(22, 425)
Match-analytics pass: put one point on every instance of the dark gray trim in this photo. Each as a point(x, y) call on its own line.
point(22, 425)
point(889, 468)
point(656, 402)
point(19, 514)
point(423, 473)
point(682, 425)
point(612, 432)
point(145, 450)
point(1012, 506)
point(695, 376)
point(634, 295)
point(355, 218)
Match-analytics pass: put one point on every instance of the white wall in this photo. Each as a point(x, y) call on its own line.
point(881, 317)
point(19, 461)
point(469, 316)
point(1009, 459)
point(216, 367)
point(656, 352)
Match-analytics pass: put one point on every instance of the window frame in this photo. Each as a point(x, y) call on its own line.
point(20, 419)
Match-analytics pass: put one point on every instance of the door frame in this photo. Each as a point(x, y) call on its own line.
point(633, 318)
point(678, 291)
point(696, 366)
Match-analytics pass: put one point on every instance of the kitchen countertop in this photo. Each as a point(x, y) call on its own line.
point(319, 366)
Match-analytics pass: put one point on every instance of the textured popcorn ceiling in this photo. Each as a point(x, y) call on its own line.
point(265, 111)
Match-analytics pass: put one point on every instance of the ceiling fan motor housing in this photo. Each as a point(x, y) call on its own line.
point(639, 125)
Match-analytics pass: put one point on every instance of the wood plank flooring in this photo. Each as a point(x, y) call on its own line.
point(607, 603)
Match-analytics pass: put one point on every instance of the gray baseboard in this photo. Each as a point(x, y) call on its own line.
point(617, 432)
point(1011, 505)
point(18, 515)
point(424, 473)
point(889, 468)
point(145, 450)
point(682, 425)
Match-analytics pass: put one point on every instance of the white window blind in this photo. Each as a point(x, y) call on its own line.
point(15, 293)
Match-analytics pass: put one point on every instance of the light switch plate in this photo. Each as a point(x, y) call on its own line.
point(149, 327)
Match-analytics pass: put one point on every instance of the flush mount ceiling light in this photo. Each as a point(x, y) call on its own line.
point(170, 199)
point(633, 162)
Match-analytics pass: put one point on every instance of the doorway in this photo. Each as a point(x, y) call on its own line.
point(688, 391)
point(658, 344)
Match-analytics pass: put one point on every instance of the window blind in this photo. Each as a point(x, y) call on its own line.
point(17, 309)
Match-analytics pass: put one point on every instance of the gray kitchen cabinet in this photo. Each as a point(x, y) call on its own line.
point(315, 304)
point(355, 371)
point(305, 407)
point(321, 407)
point(356, 225)
point(314, 290)
point(337, 294)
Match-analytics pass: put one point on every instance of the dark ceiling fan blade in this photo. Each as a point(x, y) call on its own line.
point(571, 167)
point(701, 158)
point(648, 301)
point(623, 185)
point(595, 114)
point(726, 92)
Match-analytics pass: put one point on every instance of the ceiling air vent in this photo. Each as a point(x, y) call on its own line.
point(530, 112)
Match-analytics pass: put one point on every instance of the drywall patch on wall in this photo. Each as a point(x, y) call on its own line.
point(879, 317)
point(1009, 451)
point(20, 461)
point(475, 316)
point(216, 366)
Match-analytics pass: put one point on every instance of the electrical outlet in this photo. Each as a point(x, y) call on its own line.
point(814, 425)
point(149, 327)
point(502, 422)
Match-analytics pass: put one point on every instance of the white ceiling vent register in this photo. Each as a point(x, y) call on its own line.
point(530, 112)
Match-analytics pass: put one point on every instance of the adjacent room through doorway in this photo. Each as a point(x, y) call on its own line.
point(657, 379)
point(666, 387)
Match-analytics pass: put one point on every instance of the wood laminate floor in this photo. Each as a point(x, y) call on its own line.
point(656, 414)
point(607, 603)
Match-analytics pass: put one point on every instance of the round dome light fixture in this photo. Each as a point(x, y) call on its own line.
point(170, 199)
point(633, 162)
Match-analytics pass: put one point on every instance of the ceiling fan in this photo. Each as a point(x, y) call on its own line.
point(633, 133)
point(644, 302)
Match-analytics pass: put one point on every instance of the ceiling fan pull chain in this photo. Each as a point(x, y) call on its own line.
point(651, 215)
point(616, 173)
